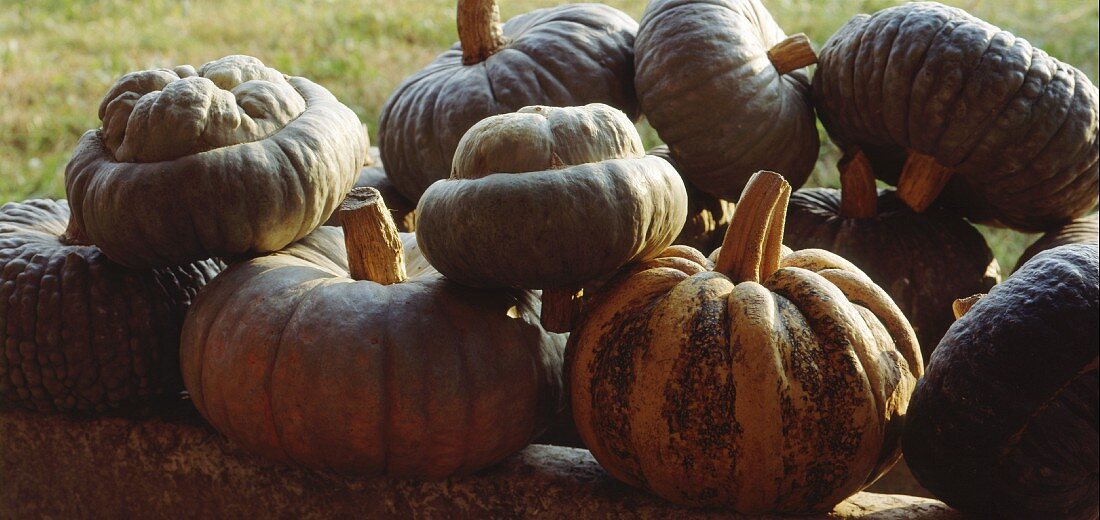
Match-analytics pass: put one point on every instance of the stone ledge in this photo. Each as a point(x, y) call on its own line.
point(175, 465)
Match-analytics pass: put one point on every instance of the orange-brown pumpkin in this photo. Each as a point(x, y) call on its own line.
point(768, 384)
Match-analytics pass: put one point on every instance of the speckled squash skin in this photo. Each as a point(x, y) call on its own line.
point(707, 86)
point(374, 176)
point(782, 395)
point(550, 198)
point(294, 361)
point(1004, 423)
point(707, 215)
point(79, 332)
point(1015, 128)
point(172, 177)
point(568, 55)
point(1084, 230)
point(924, 261)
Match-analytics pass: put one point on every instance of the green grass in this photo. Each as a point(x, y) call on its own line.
point(57, 57)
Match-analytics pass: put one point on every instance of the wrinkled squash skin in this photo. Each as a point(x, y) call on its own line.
point(1004, 423)
point(78, 332)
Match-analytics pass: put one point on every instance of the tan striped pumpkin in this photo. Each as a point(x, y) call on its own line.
point(765, 382)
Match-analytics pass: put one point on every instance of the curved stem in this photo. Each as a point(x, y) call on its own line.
point(792, 54)
point(754, 241)
point(559, 309)
point(858, 193)
point(962, 305)
point(374, 247)
point(479, 30)
point(921, 181)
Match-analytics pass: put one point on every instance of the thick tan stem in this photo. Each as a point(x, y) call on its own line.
point(559, 309)
point(479, 30)
point(793, 53)
point(374, 247)
point(962, 305)
point(921, 181)
point(74, 235)
point(754, 241)
point(858, 192)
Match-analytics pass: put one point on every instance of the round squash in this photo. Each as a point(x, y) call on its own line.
point(231, 159)
point(940, 100)
point(1004, 423)
point(380, 373)
point(923, 260)
point(767, 383)
point(569, 55)
point(707, 216)
point(78, 331)
point(719, 81)
point(1084, 230)
point(373, 175)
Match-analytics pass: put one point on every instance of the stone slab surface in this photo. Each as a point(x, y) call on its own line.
point(174, 465)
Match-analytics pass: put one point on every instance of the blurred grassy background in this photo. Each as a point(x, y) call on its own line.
point(57, 57)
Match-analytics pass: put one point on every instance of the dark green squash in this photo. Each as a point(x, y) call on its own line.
point(1084, 230)
point(1004, 423)
point(569, 55)
point(719, 81)
point(1008, 133)
point(924, 260)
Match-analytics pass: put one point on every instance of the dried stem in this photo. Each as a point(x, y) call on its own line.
point(479, 30)
point(921, 181)
point(374, 247)
point(858, 193)
point(74, 235)
point(792, 54)
point(962, 305)
point(754, 241)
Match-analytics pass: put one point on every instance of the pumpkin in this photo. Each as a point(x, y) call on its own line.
point(394, 370)
point(550, 198)
point(767, 383)
point(373, 175)
point(78, 331)
point(1005, 421)
point(1084, 230)
point(569, 55)
point(707, 215)
point(923, 260)
point(939, 100)
point(231, 159)
point(720, 82)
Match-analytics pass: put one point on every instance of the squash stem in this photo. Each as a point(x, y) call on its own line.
point(962, 305)
point(858, 193)
point(921, 181)
point(793, 53)
point(74, 235)
point(374, 247)
point(559, 309)
point(479, 30)
point(753, 243)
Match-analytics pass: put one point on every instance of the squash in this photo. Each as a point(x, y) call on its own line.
point(774, 383)
point(1004, 423)
point(720, 82)
point(393, 371)
point(939, 100)
point(569, 55)
point(373, 175)
point(79, 332)
point(550, 198)
point(1084, 230)
point(923, 260)
point(231, 159)
point(707, 216)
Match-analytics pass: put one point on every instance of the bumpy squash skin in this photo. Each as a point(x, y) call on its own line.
point(562, 56)
point(374, 176)
point(425, 378)
point(706, 85)
point(252, 197)
point(924, 261)
point(1084, 230)
point(707, 216)
point(1004, 423)
point(1018, 127)
point(79, 332)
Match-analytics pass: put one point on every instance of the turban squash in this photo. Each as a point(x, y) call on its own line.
point(707, 215)
point(940, 100)
point(78, 331)
point(231, 159)
point(569, 55)
point(1004, 423)
point(764, 382)
point(719, 81)
point(924, 261)
point(1084, 230)
point(394, 370)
